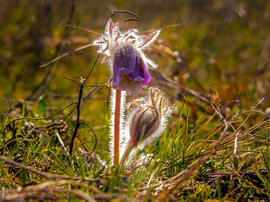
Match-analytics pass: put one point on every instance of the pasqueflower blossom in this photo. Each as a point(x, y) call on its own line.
point(124, 53)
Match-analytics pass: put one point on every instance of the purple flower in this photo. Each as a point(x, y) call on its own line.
point(129, 71)
point(124, 53)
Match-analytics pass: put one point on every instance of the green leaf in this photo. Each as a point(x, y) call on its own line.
point(5, 117)
point(41, 106)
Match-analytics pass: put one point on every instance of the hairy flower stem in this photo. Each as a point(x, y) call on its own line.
point(117, 126)
point(126, 154)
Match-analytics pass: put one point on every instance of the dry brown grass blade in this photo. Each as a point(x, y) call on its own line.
point(48, 175)
point(76, 192)
point(86, 30)
point(47, 191)
point(162, 28)
point(184, 175)
point(180, 177)
point(66, 54)
point(162, 80)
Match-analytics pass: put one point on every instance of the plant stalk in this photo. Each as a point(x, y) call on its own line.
point(130, 146)
point(117, 117)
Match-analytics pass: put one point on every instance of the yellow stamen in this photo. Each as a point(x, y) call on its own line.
point(157, 96)
point(125, 78)
point(133, 103)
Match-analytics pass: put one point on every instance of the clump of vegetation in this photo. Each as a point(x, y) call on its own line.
point(214, 127)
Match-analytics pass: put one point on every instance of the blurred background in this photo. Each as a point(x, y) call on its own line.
point(218, 40)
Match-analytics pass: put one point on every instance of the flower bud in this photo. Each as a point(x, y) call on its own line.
point(147, 122)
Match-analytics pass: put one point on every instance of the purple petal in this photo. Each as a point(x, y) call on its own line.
point(124, 63)
point(140, 74)
point(124, 60)
point(129, 71)
point(123, 71)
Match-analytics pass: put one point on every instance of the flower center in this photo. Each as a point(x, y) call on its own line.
point(140, 63)
point(125, 78)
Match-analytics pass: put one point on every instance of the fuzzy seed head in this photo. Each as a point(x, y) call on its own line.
point(149, 120)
